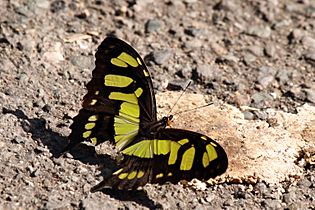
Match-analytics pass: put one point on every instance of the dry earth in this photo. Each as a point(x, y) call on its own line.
point(254, 60)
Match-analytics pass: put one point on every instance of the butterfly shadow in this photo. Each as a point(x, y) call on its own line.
point(43, 135)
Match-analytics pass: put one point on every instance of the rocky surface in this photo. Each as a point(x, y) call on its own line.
point(254, 60)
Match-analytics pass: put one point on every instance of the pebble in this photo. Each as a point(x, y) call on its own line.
point(249, 58)
point(289, 197)
point(152, 25)
point(36, 173)
point(262, 115)
point(194, 32)
point(161, 57)
point(264, 70)
point(261, 188)
point(18, 140)
point(260, 99)
point(47, 108)
point(284, 76)
point(295, 36)
point(270, 50)
point(228, 59)
point(256, 50)
point(82, 61)
point(177, 84)
point(310, 95)
point(81, 170)
point(248, 115)
point(310, 57)
point(260, 31)
point(305, 183)
point(205, 73)
point(308, 42)
point(218, 49)
point(193, 44)
point(265, 80)
point(271, 204)
point(53, 57)
point(43, 4)
point(57, 6)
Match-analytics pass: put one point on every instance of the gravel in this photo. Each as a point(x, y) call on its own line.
point(262, 50)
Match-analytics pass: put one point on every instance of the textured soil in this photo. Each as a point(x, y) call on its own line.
point(246, 53)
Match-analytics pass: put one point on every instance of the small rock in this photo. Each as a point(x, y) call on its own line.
point(23, 78)
point(210, 197)
point(194, 32)
point(262, 115)
point(256, 50)
point(218, 49)
point(57, 6)
point(271, 204)
point(205, 73)
point(81, 170)
point(264, 70)
point(248, 115)
point(47, 108)
point(264, 81)
point(270, 50)
point(249, 58)
point(59, 161)
point(305, 183)
point(53, 57)
point(177, 84)
point(82, 61)
point(152, 25)
point(310, 95)
point(27, 44)
point(239, 195)
point(261, 188)
point(193, 44)
point(310, 57)
point(227, 59)
point(161, 57)
point(226, 5)
point(18, 140)
point(284, 76)
point(290, 197)
point(190, 1)
point(260, 99)
point(308, 42)
point(35, 173)
point(295, 36)
point(43, 4)
point(260, 31)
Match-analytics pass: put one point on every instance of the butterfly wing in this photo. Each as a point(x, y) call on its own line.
point(173, 155)
point(120, 97)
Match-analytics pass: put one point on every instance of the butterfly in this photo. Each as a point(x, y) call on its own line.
point(120, 107)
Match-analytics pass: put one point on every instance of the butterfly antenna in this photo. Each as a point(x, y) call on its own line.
point(184, 90)
point(193, 109)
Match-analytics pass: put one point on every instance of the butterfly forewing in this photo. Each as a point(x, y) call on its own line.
point(172, 156)
point(120, 97)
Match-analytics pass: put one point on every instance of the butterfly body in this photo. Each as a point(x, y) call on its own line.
point(120, 107)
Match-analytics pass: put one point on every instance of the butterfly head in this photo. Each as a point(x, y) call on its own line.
point(166, 121)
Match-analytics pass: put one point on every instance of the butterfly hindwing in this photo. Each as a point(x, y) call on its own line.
point(120, 97)
point(172, 156)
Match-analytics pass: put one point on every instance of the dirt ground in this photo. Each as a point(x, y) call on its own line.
point(245, 53)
